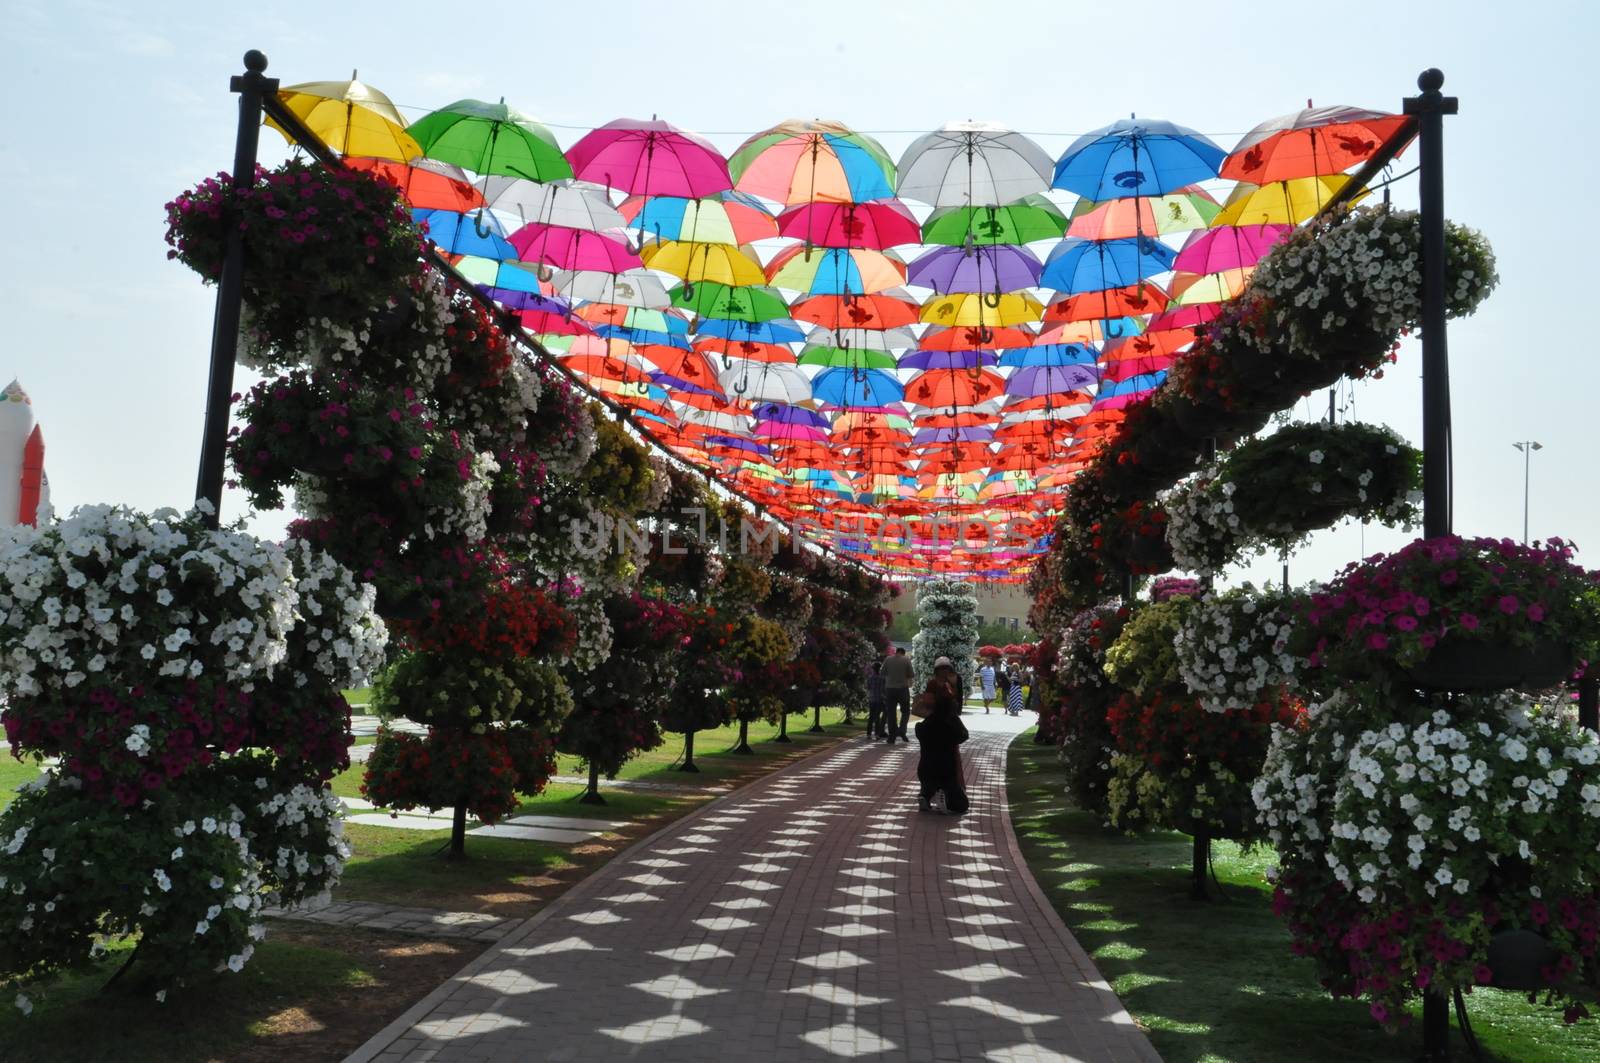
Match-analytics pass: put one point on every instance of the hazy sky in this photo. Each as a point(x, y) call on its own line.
point(110, 109)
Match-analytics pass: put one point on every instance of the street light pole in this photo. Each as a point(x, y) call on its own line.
point(1527, 446)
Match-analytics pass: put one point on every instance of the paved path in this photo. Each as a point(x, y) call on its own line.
point(814, 915)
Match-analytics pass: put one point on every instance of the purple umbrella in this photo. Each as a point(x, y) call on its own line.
point(515, 299)
point(1034, 380)
point(1230, 247)
point(990, 268)
point(667, 380)
point(967, 434)
point(946, 359)
point(778, 411)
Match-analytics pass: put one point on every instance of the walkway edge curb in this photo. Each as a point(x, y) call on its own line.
point(1117, 1013)
point(381, 1041)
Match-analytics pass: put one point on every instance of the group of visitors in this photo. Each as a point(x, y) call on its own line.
point(939, 732)
point(1012, 681)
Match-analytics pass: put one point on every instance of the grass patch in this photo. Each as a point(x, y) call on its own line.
point(306, 994)
point(14, 773)
point(713, 751)
point(1215, 982)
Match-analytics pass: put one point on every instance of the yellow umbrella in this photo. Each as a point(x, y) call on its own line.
point(1281, 202)
point(967, 309)
point(352, 118)
point(1191, 288)
point(700, 263)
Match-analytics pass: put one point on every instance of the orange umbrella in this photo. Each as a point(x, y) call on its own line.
point(878, 310)
point(1131, 301)
point(943, 387)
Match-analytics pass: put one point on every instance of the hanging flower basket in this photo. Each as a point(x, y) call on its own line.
point(1519, 958)
point(1459, 663)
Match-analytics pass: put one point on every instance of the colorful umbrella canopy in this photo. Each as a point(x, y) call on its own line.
point(803, 162)
point(1092, 265)
point(1314, 142)
point(985, 268)
point(425, 183)
point(879, 225)
point(878, 310)
point(476, 233)
point(712, 299)
point(570, 204)
point(1179, 212)
point(1228, 247)
point(490, 138)
point(1030, 218)
point(651, 158)
point(574, 249)
point(973, 164)
point(835, 271)
point(634, 287)
point(1136, 157)
point(856, 387)
point(723, 218)
point(981, 308)
point(1280, 203)
point(724, 264)
point(351, 117)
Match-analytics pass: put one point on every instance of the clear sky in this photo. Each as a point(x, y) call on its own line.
point(110, 109)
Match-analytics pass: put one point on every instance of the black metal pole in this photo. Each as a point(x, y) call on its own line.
point(1589, 698)
point(251, 86)
point(1430, 108)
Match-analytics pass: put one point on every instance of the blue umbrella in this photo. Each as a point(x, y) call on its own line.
point(1078, 265)
point(1122, 392)
point(477, 233)
point(643, 335)
point(782, 330)
point(856, 387)
point(1136, 157)
point(1048, 354)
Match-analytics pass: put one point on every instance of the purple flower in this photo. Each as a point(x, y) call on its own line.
point(1509, 605)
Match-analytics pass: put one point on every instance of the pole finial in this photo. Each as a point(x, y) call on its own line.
point(1431, 79)
point(255, 61)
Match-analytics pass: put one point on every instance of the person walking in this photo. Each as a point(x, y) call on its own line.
point(897, 694)
point(986, 678)
point(1014, 692)
point(875, 701)
point(940, 734)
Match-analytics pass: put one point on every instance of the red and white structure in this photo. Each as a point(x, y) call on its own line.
point(24, 490)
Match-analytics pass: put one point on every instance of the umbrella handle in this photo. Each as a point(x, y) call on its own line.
point(992, 299)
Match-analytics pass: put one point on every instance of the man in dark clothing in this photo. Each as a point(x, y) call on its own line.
point(897, 694)
point(940, 735)
point(876, 707)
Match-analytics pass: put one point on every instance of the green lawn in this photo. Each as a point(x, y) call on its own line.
point(712, 751)
point(1215, 982)
point(14, 773)
point(292, 993)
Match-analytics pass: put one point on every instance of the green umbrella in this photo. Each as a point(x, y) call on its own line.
point(490, 138)
point(1030, 218)
point(847, 357)
point(732, 303)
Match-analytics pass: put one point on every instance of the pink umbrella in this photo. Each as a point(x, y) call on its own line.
point(556, 245)
point(651, 158)
point(1228, 247)
point(878, 225)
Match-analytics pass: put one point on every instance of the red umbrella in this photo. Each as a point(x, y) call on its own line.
point(944, 387)
point(1315, 142)
point(879, 310)
point(426, 183)
point(878, 224)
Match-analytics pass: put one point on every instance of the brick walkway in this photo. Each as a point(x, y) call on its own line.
point(815, 915)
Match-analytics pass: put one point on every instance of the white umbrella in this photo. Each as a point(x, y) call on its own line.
point(862, 339)
point(574, 205)
point(976, 164)
point(635, 287)
point(723, 422)
point(764, 382)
